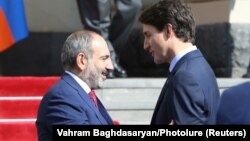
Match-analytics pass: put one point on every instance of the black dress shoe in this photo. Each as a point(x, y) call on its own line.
point(119, 71)
point(247, 75)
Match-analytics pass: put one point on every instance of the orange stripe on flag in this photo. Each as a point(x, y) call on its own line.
point(6, 38)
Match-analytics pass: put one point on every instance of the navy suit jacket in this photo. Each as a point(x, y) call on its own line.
point(235, 105)
point(190, 94)
point(66, 103)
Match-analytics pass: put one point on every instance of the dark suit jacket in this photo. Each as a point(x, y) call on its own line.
point(190, 94)
point(235, 105)
point(66, 103)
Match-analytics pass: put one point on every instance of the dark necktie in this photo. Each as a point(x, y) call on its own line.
point(93, 97)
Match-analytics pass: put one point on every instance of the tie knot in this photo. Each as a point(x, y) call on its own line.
point(92, 93)
point(93, 97)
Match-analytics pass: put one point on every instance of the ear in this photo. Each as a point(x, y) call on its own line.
point(81, 61)
point(167, 31)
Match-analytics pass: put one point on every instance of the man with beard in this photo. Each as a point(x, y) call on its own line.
point(86, 59)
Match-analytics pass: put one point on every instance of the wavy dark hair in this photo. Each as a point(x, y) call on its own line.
point(174, 12)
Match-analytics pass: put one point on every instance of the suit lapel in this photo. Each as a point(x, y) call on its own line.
point(160, 99)
point(84, 96)
point(186, 57)
point(104, 112)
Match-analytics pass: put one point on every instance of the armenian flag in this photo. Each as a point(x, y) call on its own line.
point(13, 27)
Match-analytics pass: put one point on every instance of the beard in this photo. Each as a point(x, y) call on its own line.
point(93, 76)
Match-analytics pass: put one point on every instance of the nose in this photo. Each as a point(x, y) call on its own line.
point(110, 65)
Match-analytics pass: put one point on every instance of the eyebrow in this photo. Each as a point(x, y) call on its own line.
point(104, 57)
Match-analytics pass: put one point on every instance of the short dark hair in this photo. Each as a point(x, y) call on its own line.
point(174, 12)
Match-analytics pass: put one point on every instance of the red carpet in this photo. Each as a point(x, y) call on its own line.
point(25, 86)
point(12, 109)
point(18, 131)
point(19, 100)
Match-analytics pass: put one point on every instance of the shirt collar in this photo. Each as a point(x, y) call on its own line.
point(80, 82)
point(179, 56)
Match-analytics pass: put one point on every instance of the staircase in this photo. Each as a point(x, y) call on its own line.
point(128, 100)
point(132, 100)
point(19, 101)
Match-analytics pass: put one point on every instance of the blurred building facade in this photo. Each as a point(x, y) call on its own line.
point(222, 34)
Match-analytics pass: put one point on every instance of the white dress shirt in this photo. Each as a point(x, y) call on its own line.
point(85, 87)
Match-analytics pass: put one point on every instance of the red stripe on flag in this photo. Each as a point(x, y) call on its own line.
point(6, 37)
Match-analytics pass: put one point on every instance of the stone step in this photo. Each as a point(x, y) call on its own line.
point(142, 93)
point(132, 101)
point(158, 82)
